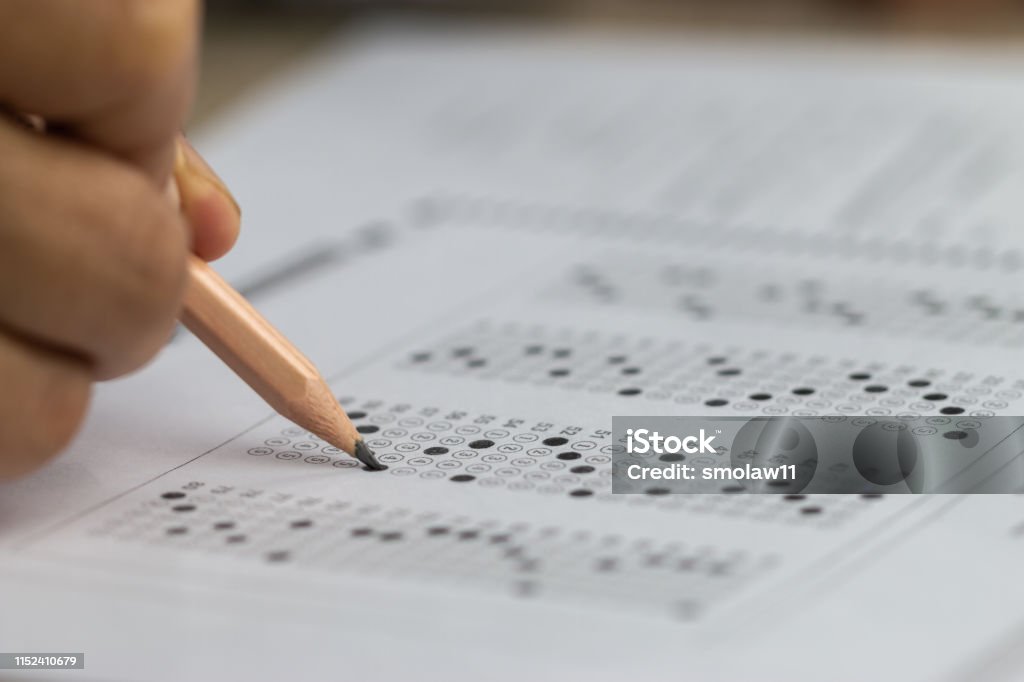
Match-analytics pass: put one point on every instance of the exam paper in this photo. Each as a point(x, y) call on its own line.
point(492, 242)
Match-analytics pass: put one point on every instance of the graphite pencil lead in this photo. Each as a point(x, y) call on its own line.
point(365, 455)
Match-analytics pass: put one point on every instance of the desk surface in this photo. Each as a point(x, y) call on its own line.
point(243, 48)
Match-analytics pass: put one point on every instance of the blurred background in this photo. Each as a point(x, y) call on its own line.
point(249, 41)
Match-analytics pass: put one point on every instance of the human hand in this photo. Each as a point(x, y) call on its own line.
point(92, 251)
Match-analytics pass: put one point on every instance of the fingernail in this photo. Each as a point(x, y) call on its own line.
point(189, 163)
point(172, 192)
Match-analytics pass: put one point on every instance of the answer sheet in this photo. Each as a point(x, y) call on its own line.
point(493, 241)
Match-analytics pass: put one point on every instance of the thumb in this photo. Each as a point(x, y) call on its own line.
point(206, 203)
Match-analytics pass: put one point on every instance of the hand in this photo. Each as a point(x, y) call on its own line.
point(92, 251)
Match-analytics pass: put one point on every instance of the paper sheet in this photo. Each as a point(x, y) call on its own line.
point(493, 242)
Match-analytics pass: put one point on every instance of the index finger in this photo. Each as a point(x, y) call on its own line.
point(116, 73)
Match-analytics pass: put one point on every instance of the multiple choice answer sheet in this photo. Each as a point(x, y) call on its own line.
point(493, 241)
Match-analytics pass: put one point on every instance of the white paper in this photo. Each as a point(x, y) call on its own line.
point(482, 238)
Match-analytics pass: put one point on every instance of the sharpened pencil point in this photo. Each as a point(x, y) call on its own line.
point(365, 455)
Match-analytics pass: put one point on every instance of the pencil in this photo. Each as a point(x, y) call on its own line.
point(258, 353)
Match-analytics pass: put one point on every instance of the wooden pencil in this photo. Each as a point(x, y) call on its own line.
point(258, 353)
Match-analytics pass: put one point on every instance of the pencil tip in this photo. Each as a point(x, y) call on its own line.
point(365, 455)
